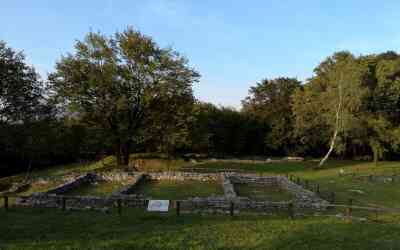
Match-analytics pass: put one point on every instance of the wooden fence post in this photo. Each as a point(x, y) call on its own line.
point(298, 181)
point(291, 210)
point(119, 204)
point(6, 202)
point(63, 203)
point(231, 208)
point(333, 197)
point(317, 188)
point(350, 209)
point(178, 208)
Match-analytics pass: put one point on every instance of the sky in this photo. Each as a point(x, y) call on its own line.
point(233, 44)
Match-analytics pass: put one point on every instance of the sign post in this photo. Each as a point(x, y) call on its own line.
point(158, 206)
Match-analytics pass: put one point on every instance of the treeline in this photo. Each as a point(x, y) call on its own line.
point(123, 94)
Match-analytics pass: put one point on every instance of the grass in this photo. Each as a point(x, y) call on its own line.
point(100, 189)
point(28, 228)
point(56, 173)
point(52, 229)
point(177, 190)
point(262, 192)
point(373, 194)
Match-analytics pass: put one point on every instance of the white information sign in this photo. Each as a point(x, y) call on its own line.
point(158, 206)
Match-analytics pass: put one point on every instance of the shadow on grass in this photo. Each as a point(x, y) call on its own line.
point(51, 229)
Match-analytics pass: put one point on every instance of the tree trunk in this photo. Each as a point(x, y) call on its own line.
point(321, 163)
point(376, 156)
point(118, 152)
point(335, 133)
point(126, 153)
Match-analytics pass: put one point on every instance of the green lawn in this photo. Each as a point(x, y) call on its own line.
point(98, 189)
point(262, 192)
point(372, 194)
point(53, 229)
point(24, 228)
point(177, 190)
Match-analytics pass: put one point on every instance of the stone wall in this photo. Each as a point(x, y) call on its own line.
point(303, 198)
point(229, 190)
point(129, 188)
point(75, 183)
point(254, 179)
point(118, 176)
point(181, 176)
point(79, 202)
point(379, 178)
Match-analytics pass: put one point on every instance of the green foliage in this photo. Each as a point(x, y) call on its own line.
point(270, 102)
point(222, 131)
point(112, 83)
point(369, 111)
point(20, 88)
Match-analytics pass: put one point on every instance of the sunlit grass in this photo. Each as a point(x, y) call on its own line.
point(176, 190)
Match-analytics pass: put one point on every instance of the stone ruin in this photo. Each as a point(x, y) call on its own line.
point(303, 198)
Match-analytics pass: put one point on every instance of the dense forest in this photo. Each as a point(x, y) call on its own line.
point(123, 94)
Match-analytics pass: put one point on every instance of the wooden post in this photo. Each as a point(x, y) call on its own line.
point(231, 209)
point(291, 210)
point(119, 204)
point(6, 202)
point(350, 209)
point(178, 208)
point(298, 181)
point(333, 197)
point(63, 203)
point(317, 188)
point(306, 184)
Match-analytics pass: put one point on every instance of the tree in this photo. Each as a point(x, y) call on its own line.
point(382, 108)
point(21, 105)
point(20, 88)
point(331, 100)
point(113, 81)
point(270, 101)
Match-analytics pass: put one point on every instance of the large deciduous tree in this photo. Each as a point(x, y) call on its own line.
point(20, 88)
point(270, 101)
point(112, 82)
point(351, 103)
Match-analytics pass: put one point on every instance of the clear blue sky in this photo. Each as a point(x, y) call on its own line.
point(233, 44)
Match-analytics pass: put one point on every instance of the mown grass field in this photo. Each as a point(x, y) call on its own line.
point(179, 190)
point(262, 192)
point(98, 189)
point(24, 228)
point(52, 229)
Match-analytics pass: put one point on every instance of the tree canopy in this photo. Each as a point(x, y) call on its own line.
point(112, 83)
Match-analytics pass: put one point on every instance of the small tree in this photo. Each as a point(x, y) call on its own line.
point(113, 81)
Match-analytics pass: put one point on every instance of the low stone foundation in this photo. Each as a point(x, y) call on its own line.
point(55, 198)
point(75, 183)
point(129, 188)
point(181, 176)
point(79, 202)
